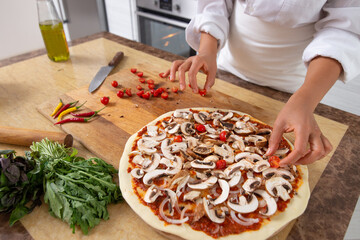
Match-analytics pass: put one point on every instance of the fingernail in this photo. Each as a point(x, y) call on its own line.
point(182, 87)
point(267, 152)
point(171, 78)
point(195, 91)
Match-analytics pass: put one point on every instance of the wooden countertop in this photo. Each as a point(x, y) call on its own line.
point(333, 198)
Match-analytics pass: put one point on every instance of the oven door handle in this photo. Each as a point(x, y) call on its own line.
point(162, 19)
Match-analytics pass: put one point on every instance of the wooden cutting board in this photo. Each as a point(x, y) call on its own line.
point(106, 135)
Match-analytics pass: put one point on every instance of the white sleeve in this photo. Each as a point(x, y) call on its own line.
point(338, 36)
point(212, 17)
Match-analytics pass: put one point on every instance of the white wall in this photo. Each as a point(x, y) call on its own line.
point(19, 29)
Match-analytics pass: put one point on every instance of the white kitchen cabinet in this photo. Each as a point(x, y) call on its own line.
point(120, 18)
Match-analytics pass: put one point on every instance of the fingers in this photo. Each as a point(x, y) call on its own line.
point(275, 138)
point(210, 80)
point(174, 67)
point(182, 70)
point(166, 74)
point(317, 150)
point(300, 148)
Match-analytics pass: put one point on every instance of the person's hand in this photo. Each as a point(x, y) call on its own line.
point(296, 117)
point(202, 62)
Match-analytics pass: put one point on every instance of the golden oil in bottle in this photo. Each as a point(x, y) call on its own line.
point(55, 41)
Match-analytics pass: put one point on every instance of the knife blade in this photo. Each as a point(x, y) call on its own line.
point(104, 72)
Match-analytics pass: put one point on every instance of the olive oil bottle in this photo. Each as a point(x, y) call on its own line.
point(52, 31)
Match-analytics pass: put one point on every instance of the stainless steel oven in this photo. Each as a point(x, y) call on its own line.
point(162, 23)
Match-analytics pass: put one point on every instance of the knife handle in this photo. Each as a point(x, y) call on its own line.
point(117, 58)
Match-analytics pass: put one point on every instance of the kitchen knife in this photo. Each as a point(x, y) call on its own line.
point(104, 72)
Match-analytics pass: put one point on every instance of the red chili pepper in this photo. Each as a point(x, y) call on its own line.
point(86, 114)
point(76, 119)
point(66, 106)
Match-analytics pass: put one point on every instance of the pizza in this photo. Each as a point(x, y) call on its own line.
point(202, 173)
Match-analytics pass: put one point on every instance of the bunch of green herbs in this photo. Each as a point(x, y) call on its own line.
point(20, 184)
point(76, 189)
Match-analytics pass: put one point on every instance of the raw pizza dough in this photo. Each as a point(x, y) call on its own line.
point(293, 210)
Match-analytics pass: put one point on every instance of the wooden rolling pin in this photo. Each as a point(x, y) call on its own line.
point(25, 137)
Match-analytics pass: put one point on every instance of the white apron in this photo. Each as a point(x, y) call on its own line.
point(265, 53)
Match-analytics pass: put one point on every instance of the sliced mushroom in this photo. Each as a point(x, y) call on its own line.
point(152, 130)
point(203, 149)
point(243, 128)
point(260, 166)
point(138, 159)
point(187, 128)
point(264, 132)
point(177, 177)
point(228, 116)
point(210, 129)
point(168, 163)
point(137, 173)
point(270, 202)
point(251, 184)
point(158, 137)
point(177, 147)
point(226, 152)
point(203, 164)
point(227, 125)
point(224, 193)
point(278, 187)
point(152, 194)
point(149, 176)
point(183, 114)
point(211, 158)
point(250, 156)
point(181, 185)
point(173, 200)
point(201, 175)
point(243, 164)
point(244, 206)
point(173, 128)
point(165, 149)
point(192, 195)
point(205, 184)
point(218, 173)
point(192, 142)
point(177, 168)
point(238, 142)
point(147, 146)
point(199, 119)
point(271, 172)
point(154, 163)
point(216, 114)
point(215, 215)
point(235, 179)
point(281, 152)
point(258, 141)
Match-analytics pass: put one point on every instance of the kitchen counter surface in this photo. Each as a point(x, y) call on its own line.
point(332, 200)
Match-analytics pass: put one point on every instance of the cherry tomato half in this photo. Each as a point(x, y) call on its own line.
point(164, 95)
point(138, 87)
point(174, 89)
point(151, 86)
point(274, 161)
point(146, 95)
point(223, 136)
point(202, 92)
point(128, 92)
point(140, 74)
point(142, 80)
point(178, 138)
point(133, 70)
point(200, 128)
point(140, 93)
point(120, 93)
point(150, 81)
point(114, 84)
point(221, 164)
point(104, 100)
